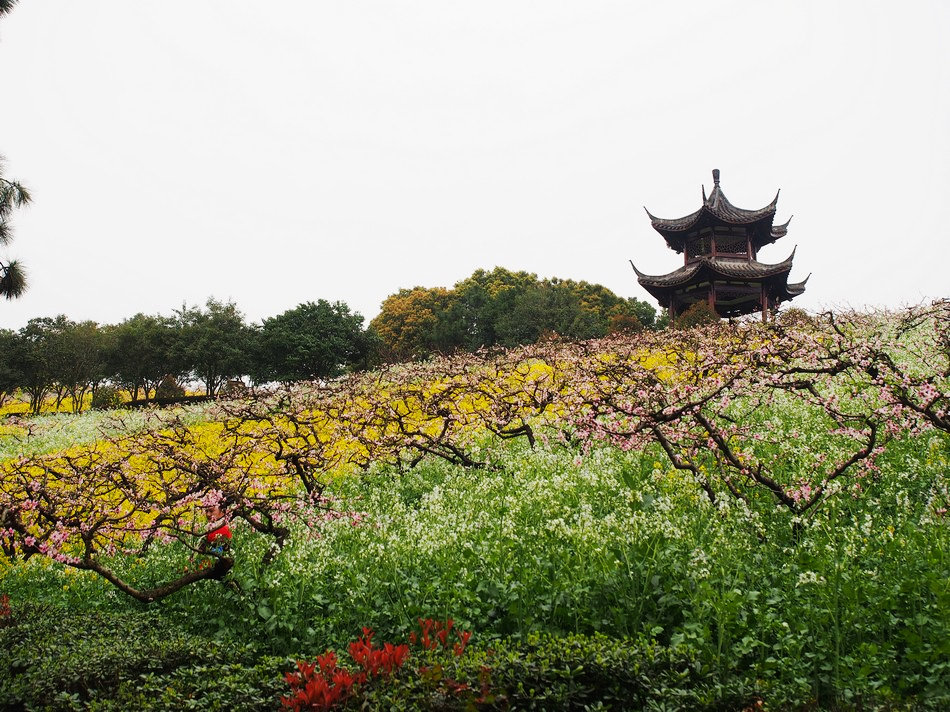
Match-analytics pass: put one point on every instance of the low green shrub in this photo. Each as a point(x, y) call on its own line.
point(213, 686)
point(699, 314)
point(169, 387)
point(59, 660)
point(555, 673)
point(106, 398)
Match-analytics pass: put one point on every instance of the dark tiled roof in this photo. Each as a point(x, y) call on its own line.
point(716, 209)
point(722, 267)
point(780, 230)
point(796, 288)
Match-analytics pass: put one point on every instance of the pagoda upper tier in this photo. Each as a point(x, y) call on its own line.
point(719, 217)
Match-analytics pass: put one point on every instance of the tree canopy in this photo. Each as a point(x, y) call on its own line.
point(501, 308)
point(154, 357)
point(214, 343)
point(311, 341)
point(12, 195)
point(416, 322)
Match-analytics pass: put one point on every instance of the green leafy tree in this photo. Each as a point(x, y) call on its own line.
point(644, 313)
point(599, 305)
point(79, 363)
point(33, 357)
point(485, 299)
point(214, 343)
point(10, 375)
point(529, 315)
point(416, 323)
point(57, 355)
point(512, 308)
point(144, 349)
point(12, 195)
point(543, 309)
point(311, 341)
point(501, 307)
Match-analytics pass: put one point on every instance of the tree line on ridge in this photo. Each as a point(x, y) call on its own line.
point(148, 356)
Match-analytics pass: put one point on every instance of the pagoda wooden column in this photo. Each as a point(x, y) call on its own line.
point(764, 300)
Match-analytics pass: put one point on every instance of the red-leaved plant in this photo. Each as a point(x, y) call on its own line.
point(436, 634)
point(323, 684)
point(6, 614)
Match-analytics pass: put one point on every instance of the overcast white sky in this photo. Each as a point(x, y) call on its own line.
point(281, 152)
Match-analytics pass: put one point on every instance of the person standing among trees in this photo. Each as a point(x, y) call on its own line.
point(214, 546)
point(218, 539)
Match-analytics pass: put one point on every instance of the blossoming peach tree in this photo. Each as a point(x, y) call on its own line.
point(264, 460)
point(785, 413)
point(125, 495)
point(793, 411)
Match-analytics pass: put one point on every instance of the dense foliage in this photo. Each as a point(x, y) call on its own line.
point(747, 512)
point(56, 659)
point(314, 340)
point(501, 308)
point(12, 195)
point(56, 360)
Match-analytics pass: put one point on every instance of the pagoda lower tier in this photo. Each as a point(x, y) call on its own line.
point(731, 286)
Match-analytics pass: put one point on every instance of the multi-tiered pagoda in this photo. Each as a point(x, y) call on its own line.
point(720, 243)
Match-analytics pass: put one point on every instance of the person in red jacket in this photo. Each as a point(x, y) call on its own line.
point(218, 539)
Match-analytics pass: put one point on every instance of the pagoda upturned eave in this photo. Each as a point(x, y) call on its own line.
point(716, 210)
point(797, 288)
point(716, 267)
point(716, 206)
point(772, 278)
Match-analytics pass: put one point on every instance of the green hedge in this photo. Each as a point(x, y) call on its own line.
point(558, 673)
point(136, 660)
point(57, 660)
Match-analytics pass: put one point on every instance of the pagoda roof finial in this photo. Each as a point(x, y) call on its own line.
point(715, 176)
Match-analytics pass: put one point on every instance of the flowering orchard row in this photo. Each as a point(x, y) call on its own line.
point(717, 401)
